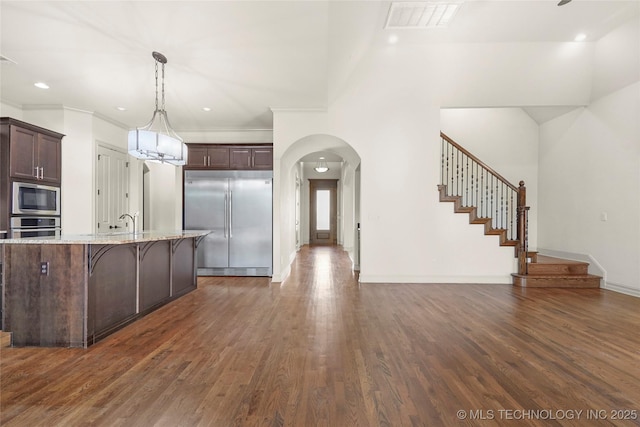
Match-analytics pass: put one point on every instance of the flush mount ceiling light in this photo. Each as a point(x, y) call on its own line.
point(157, 140)
point(421, 15)
point(321, 166)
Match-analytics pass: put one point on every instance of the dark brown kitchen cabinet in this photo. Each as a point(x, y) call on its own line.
point(252, 158)
point(34, 152)
point(262, 158)
point(230, 156)
point(208, 157)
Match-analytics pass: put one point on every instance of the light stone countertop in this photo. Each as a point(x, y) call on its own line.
point(109, 238)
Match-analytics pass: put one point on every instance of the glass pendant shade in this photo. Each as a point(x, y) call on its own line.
point(157, 141)
point(321, 166)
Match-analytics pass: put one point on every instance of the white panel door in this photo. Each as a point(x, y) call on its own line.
point(112, 192)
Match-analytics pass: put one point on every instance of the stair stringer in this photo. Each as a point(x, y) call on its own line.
point(472, 211)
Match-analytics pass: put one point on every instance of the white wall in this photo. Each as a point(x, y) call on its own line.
point(9, 110)
point(616, 61)
point(388, 110)
point(590, 167)
point(391, 116)
point(166, 197)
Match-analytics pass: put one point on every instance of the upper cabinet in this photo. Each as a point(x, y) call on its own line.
point(207, 157)
point(230, 157)
point(34, 152)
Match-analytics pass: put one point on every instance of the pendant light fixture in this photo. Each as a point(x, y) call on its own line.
point(157, 140)
point(321, 166)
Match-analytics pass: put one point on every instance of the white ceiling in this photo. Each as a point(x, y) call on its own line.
point(239, 58)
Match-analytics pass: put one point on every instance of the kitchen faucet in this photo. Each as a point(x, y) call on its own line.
point(133, 220)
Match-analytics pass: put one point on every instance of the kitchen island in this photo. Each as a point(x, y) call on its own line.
point(73, 290)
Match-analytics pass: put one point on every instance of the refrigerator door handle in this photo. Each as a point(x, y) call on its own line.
point(226, 203)
point(230, 214)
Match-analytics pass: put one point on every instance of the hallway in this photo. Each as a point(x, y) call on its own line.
point(320, 349)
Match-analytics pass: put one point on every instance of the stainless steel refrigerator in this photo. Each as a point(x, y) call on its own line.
point(237, 207)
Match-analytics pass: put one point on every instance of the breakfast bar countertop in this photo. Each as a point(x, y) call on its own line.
point(108, 238)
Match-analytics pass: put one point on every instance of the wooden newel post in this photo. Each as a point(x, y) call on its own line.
point(522, 228)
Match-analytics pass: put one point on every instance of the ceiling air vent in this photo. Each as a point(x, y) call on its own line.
point(421, 14)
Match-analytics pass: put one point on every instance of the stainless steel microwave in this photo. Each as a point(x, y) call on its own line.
point(35, 199)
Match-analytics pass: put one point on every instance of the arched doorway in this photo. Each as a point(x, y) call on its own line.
point(293, 196)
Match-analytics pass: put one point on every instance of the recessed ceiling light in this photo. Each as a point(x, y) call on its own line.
point(41, 85)
point(393, 39)
point(121, 109)
point(206, 109)
point(581, 37)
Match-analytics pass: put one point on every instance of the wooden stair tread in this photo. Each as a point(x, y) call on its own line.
point(474, 218)
point(556, 281)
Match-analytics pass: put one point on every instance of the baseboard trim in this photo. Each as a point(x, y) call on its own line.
point(623, 289)
point(500, 280)
point(279, 278)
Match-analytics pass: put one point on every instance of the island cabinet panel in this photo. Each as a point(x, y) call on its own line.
point(155, 273)
point(184, 269)
point(75, 294)
point(45, 288)
point(112, 288)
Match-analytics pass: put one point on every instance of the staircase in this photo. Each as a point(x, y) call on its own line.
point(458, 207)
point(492, 201)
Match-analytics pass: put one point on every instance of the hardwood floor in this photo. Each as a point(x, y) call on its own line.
point(322, 350)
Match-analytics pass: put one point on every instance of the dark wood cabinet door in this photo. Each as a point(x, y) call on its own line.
point(197, 157)
point(155, 273)
point(183, 272)
point(230, 157)
point(262, 158)
point(240, 158)
point(48, 155)
point(218, 157)
point(23, 151)
point(112, 288)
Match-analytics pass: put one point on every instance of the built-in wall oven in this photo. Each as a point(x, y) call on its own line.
point(35, 226)
point(35, 199)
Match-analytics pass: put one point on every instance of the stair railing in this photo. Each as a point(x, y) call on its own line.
point(493, 197)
